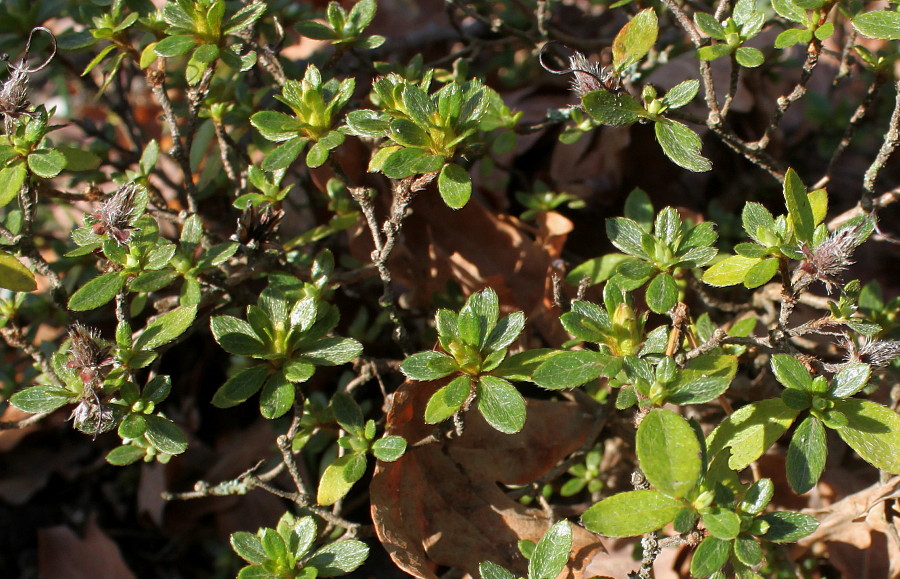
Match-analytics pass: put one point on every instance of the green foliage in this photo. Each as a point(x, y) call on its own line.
point(475, 342)
point(345, 28)
point(744, 24)
point(546, 561)
point(286, 551)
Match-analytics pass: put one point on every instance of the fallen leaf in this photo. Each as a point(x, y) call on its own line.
point(440, 504)
point(62, 554)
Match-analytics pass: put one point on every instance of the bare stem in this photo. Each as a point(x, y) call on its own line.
point(891, 138)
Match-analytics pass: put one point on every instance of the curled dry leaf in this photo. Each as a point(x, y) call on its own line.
point(440, 504)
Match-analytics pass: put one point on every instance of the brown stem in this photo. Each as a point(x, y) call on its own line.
point(891, 138)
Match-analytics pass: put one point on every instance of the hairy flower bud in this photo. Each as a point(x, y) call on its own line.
point(117, 214)
point(88, 355)
point(831, 257)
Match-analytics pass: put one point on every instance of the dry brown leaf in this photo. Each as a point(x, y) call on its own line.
point(440, 505)
point(62, 554)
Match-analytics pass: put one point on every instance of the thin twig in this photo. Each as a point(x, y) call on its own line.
point(891, 138)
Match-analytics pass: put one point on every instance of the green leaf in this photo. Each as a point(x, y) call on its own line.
point(97, 292)
point(166, 328)
point(702, 379)
point(873, 431)
point(332, 351)
point(751, 431)
point(409, 134)
point(761, 273)
point(248, 547)
point(883, 24)
point(551, 553)
point(669, 453)
point(681, 94)
point(79, 159)
point(787, 526)
point(798, 206)
point(236, 336)
point(662, 293)
point(721, 523)
point(788, 10)
point(505, 332)
point(730, 271)
point(339, 477)
point(500, 404)
point(152, 281)
point(681, 145)
point(11, 180)
point(283, 155)
point(635, 39)
point(46, 163)
point(755, 218)
point(521, 366)
point(277, 396)
point(613, 109)
point(626, 234)
point(710, 556)
point(791, 37)
point(598, 269)
point(806, 455)
point(748, 550)
point(241, 386)
point(713, 51)
point(404, 162)
point(489, 570)
point(368, 123)
point(389, 448)
point(749, 57)
point(708, 25)
point(447, 400)
point(132, 426)
point(849, 381)
point(455, 185)
point(570, 369)
point(791, 372)
point(631, 513)
point(174, 45)
point(347, 413)
point(124, 455)
point(758, 496)
point(339, 558)
point(44, 398)
point(428, 365)
point(164, 435)
point(14, 275)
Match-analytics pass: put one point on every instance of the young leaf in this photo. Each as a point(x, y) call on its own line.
point(635, 39)
point(277, 396)
point(788, 527)
point(631, 513)
point(339, 558)
point(750, 431)
point(669, 453)
point(389, 448)
point(626, 234)
point(849, 381)
point(125, 455)
point(97, 292)
point(799, 209)
point(455, 185)
point(489, 570)
point(551, 553)
point(710, 556)
point(681, 145)
point(791, 372)
point(332, 351)
point(501, 404)
point(241, 386)
point(662, 293)
point(447, 400)
point(428, 365)
point(14, 275)
point(806, 455)
point(11, 180)
point(339, 477)
point(730, 271)
point(721, 523)
point(613, 109)
point(164, 435)
point(166, 328)
point(248, 547)
point(44, 398)
point(236, 336)
point(883, 24)
point(570, 369)
point(873, 431)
